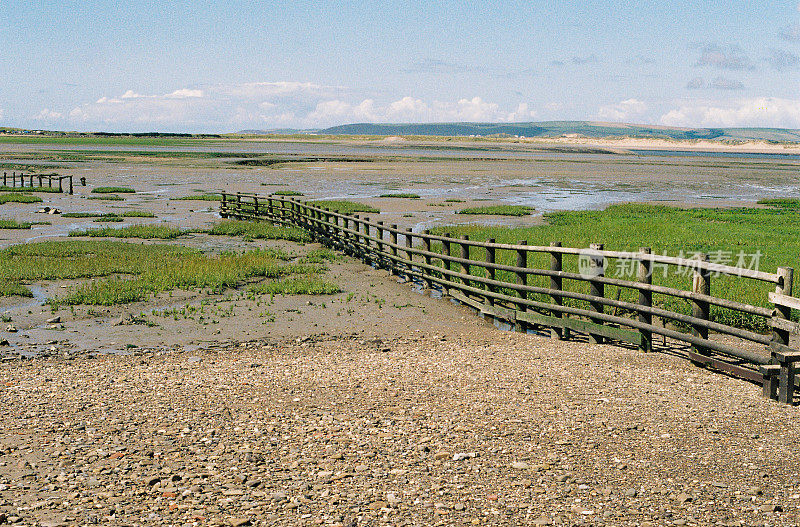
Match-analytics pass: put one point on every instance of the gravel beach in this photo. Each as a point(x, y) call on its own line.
point(483, 428)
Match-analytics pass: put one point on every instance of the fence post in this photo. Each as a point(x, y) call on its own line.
point(409, 254)
point(780, 336)
point(596, 289)
point(70, 184)
point(644, 275)
point(522, 279)
point(13, 180)
point(465, 256)
point(393, 241)
point(426, 246)
point(379, 235)
point(223, 209)
point(446, 263)
point(5, 183)
point(556, 265)
point(358, 251)
point(490, 256)
point(701, 284)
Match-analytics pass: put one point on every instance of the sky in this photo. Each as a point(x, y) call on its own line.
point(197, 66)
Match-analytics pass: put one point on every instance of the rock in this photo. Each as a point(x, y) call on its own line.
point(461, 456)
point(152, 480)
point(54, 320)
point(768, 507)
point(442, 454)
point(239, 522)
point(684, 498)
point(11, 328)
point(520, 465)
point(631, 493)
point(4, 342)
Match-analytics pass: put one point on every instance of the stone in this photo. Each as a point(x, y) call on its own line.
point(54, 320)
point(11, 328)
point(631, 493)
point(520, 465)
point(442, 454)
point(684, 498)
point(461, 456)
point(239, 522)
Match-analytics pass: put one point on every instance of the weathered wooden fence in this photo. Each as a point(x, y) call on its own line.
point(472, 272)
point(38, 179)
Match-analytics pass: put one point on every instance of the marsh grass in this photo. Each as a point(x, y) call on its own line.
point(406, 195)
point(344, 206)
point(766, 237)
point(46, 190)
point(500, 210)
point(128, 272)
point(148, 232)
point(14, 224)
point(113, 190)
point(107, 197)
point(296, 285)
point(251, 230)
point(288, 193)
point(126, 214)
point(200, 197)
point(19, 198)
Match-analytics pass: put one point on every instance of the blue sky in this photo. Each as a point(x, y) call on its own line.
point(226, 66)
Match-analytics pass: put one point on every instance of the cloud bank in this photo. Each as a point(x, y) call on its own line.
point(761, 112)
point(267, 105)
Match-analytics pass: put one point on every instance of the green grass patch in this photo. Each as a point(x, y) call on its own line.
point(454, 200)
point(296, 285)
point(745, 237)
point(113, 190)
point(107, 197)
point(407, 195)
point(51, 190)
point(19, 198)
point(126, 214)
point(344, 206)
point(14, 224)
point(148, 232)
point(252, 230)
point(288, 193)
point(131, 272)
point(790, 203)
point(109, 218)
point(200, 197)
point(500, 210)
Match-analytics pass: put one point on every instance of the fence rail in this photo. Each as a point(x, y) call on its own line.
point(502, 291)
point(37, 181)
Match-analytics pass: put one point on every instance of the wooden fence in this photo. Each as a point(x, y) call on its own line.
point(38, 179)
point(472, 272)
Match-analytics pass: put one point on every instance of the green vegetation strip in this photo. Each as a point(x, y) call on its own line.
point(200, 197)
point(126, 214)
point(53, 190)
point(107, 197)
point(19, 198)
point(745, 237)
point(14, 224)
point(344, 206)
point(135, 272)
point(287, 193)
point(407, 195)
point(249, 230)
point(113, 190)
point(500, 210)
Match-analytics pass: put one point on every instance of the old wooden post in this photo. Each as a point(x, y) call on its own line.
point(409, 255)
point(490, 272)
point(701, 285)
point(5, 182)
point(393, 241)
point(596, 288)
point(556, 265)
point(446, 261)
point(60, 186)
point(465, 256)
point(358, 248)
point(781, 337)
point(70, 184)
point(379, 236)
point(426, 246)
point(644, 275)
point(522, 279)
point(13, 180)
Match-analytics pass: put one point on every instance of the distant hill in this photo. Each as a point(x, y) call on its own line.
point(566, 128)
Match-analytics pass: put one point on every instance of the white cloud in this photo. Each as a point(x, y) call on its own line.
point(48, 115)
point(622, 111)
point(761, 111)
point(265, 105)
point(2, 113)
